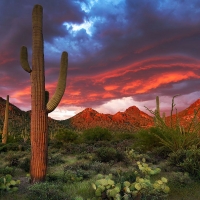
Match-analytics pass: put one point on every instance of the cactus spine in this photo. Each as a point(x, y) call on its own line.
point(39, 105)
point(5, 125)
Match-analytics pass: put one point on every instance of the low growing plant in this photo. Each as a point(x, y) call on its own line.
point(46, 191)
point(106, 154)
point(97, 134)
point(7, 184)
point(188, 160)
point(66, 136)
point(105, 186)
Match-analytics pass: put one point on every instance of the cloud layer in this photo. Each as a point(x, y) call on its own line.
point(121, 53)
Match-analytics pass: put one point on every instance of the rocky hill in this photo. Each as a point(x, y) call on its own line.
point(129, 120)
point(187, 115)
point(20, 120)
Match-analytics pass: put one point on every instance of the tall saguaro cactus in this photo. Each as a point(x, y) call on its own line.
point(39, 105)
point(5, 125)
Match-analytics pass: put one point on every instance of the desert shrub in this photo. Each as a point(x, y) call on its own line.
point(97, 134)
point(146, 138)
point(13, 158)
point(25, 164)
point(180, 178)
point(173, 135)
point(66, 136)
point(46, 191)
point(9, 147)
point(106, 154)
point(124, 136)
point(188, 160)
point(160, 153)
point(71, 176)
point(73, 173)
point(7, 170)
point(54, 160)
point(100, 167)
point(174, 139)
point(72, 148)
point(121, 176)
point(123, 145)
point(54, 177)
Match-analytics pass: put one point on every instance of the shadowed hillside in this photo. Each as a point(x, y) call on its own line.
point(129, 120)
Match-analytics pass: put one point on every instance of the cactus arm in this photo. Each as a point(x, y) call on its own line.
point(24, 59)
point(46, 97)
point(60, 89)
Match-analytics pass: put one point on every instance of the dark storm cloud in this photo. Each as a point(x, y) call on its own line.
point(16, 30)
point(133, 48)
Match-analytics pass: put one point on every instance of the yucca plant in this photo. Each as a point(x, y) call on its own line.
point(173, 135)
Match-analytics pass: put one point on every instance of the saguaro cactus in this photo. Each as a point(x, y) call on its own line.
point(157, 106)
point(39, 105)
point(5, 125)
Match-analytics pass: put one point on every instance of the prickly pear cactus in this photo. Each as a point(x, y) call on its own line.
point(8, 184)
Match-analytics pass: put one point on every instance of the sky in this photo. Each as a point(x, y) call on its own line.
point(122, 53)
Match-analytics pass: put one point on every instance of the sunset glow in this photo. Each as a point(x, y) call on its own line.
point(121, 53)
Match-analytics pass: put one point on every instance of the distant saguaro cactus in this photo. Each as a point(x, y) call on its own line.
point(157, 106)
point(5, 124)
point(39, 105)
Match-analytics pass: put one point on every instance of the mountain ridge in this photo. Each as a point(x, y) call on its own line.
point(129, 120)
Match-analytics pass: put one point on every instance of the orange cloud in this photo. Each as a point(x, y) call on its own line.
point(75, 93)
point(156, 81)
point(131, 85)
point(108, 95)
point(110, 87)
point(21, 93)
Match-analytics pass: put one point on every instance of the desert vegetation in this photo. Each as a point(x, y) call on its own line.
point(161, 162)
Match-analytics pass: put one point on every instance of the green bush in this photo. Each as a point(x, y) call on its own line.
point(180, 178)
point(100, 167)
point(7, 170)
point(54, 160)
point(66, 136)
point(74, 173)
point(46, 191)
point(97, 134)
point(122, 176)
point(106, 154)
point(25, 164)
point(188, 160)
point(146, 138)
point(9, 147)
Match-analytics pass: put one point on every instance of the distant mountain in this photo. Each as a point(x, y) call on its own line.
point(20, 120)
point(129, 120)
point(187, 115)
